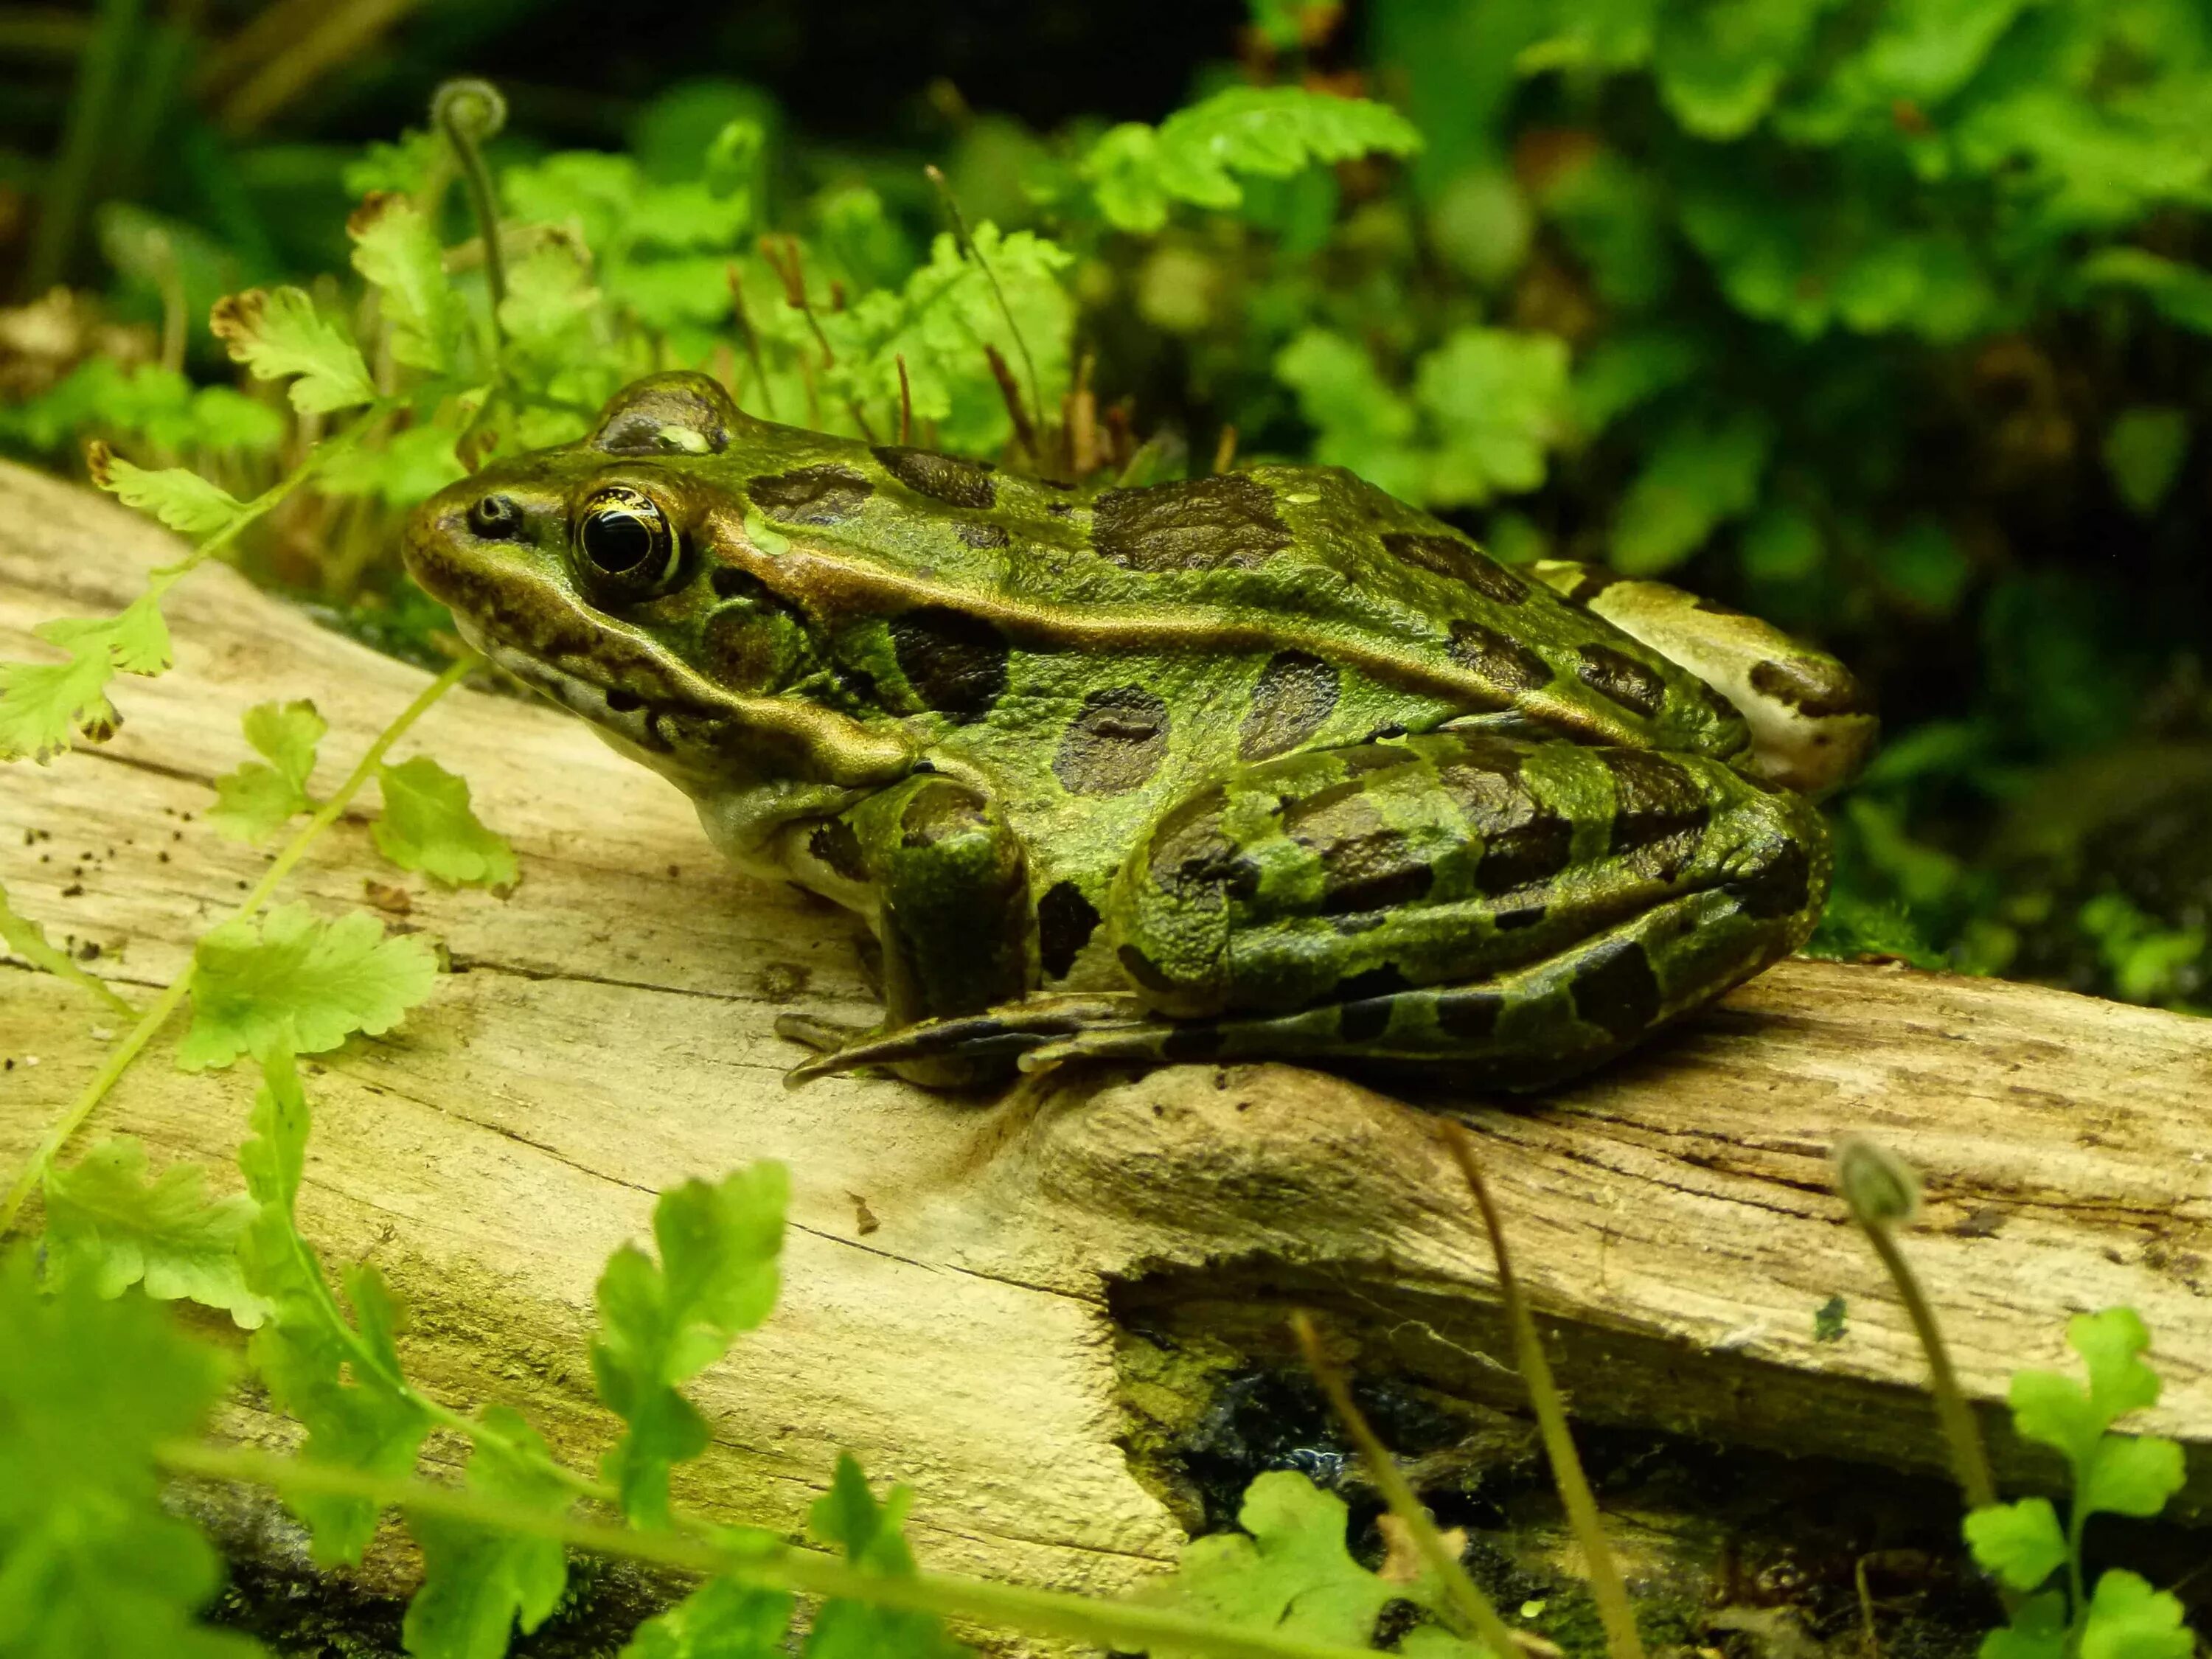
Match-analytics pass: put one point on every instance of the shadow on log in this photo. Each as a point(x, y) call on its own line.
point(954, 1271)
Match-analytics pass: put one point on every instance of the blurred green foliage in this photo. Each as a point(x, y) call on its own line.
point(1884, 318)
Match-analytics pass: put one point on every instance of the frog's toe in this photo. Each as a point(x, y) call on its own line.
point(825, 1036)
point(998, 1034)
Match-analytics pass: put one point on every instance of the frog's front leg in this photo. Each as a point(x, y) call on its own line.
point(934, 865)
point(1508, 911)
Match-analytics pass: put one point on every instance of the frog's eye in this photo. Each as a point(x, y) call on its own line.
point(625, 535)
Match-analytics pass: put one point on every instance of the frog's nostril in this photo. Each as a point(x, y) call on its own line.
point(494, 518)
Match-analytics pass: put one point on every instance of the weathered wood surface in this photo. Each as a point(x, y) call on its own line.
point(946, 1313)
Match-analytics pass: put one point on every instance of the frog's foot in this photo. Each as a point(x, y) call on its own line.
point(824, 1037)
point(983, 1043)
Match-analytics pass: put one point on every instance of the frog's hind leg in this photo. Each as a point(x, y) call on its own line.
point(1511, 912)
point(1528, 1029)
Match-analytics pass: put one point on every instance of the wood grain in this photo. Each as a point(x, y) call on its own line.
point(955, 1270)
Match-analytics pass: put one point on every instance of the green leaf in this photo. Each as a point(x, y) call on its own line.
point(1606, 36)
point(661, 1324)
point(2022, 1543)
point(479, 1583)
point(2038, 1631)
point(872, 1538)
point(1288, 1571)
point(177, 495)
point(1362, 422)
point(551, 310)
point(1701, 475)
point(405, 468)
point(720, 1619)
point(941, 323)
point(428, 825)
point(90, 1561)
point(2128, 1619)
point(1136, 171)
point(2181, 294)
point(396, 250)
point(1782, 544)
point(1924, 564)
point(405, 165)
point(2143, 452)
point(2111, 1344)
point(2130, 1475)
point(299, 984)
point(109, 1226)
point(345, 1383)
point(276, 333)
point(1626, 371)
point(43, 706)
point(1720, 64)
point(136, 638)
point(256, 800)
point(1499, 398)
point(26, 940)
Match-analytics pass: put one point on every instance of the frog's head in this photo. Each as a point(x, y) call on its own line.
point(614, 576)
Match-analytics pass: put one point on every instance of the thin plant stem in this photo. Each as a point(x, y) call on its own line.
point(469, 111)
point(157, 1015)
point(744, 320)
point(970, 251)
point(1465, 1595)
point(1883, 1193)
point(772, 1565)
point(1622, 1640)
point(26, 940)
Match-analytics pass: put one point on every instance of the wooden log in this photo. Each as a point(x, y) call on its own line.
point(955, 1270)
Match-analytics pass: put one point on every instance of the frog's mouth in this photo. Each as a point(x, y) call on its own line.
point(621, 715)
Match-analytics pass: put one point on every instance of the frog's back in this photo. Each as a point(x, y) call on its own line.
point(1307, 562)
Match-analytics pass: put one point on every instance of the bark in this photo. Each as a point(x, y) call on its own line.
point(963, 1277)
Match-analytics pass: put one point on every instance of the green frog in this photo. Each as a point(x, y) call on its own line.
point(1263, 764)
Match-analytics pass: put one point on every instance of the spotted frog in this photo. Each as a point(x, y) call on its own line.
point(1265, 764)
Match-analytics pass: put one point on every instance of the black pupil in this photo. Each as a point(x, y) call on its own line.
point(619, 535)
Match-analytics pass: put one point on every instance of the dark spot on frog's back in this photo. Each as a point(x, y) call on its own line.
point(1617, 675)
point(810, 494)
point(1115, 744)
point(1617, 991)
point(944, 478)
point(1779, 886)
point(1193, 859)
point(1523, 842)
point(1204, 524)
point(955, 662)
point(1658, 813)
point(1468, 1015)
point(1590, 580)
point(1065, 921)
point(980, 535)
point(1365, 864)
point(1296, 695)
point(1504, 663)
point(1815, 689)
point(1450, 557)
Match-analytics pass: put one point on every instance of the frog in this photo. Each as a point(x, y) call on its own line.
point(1263, 764)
